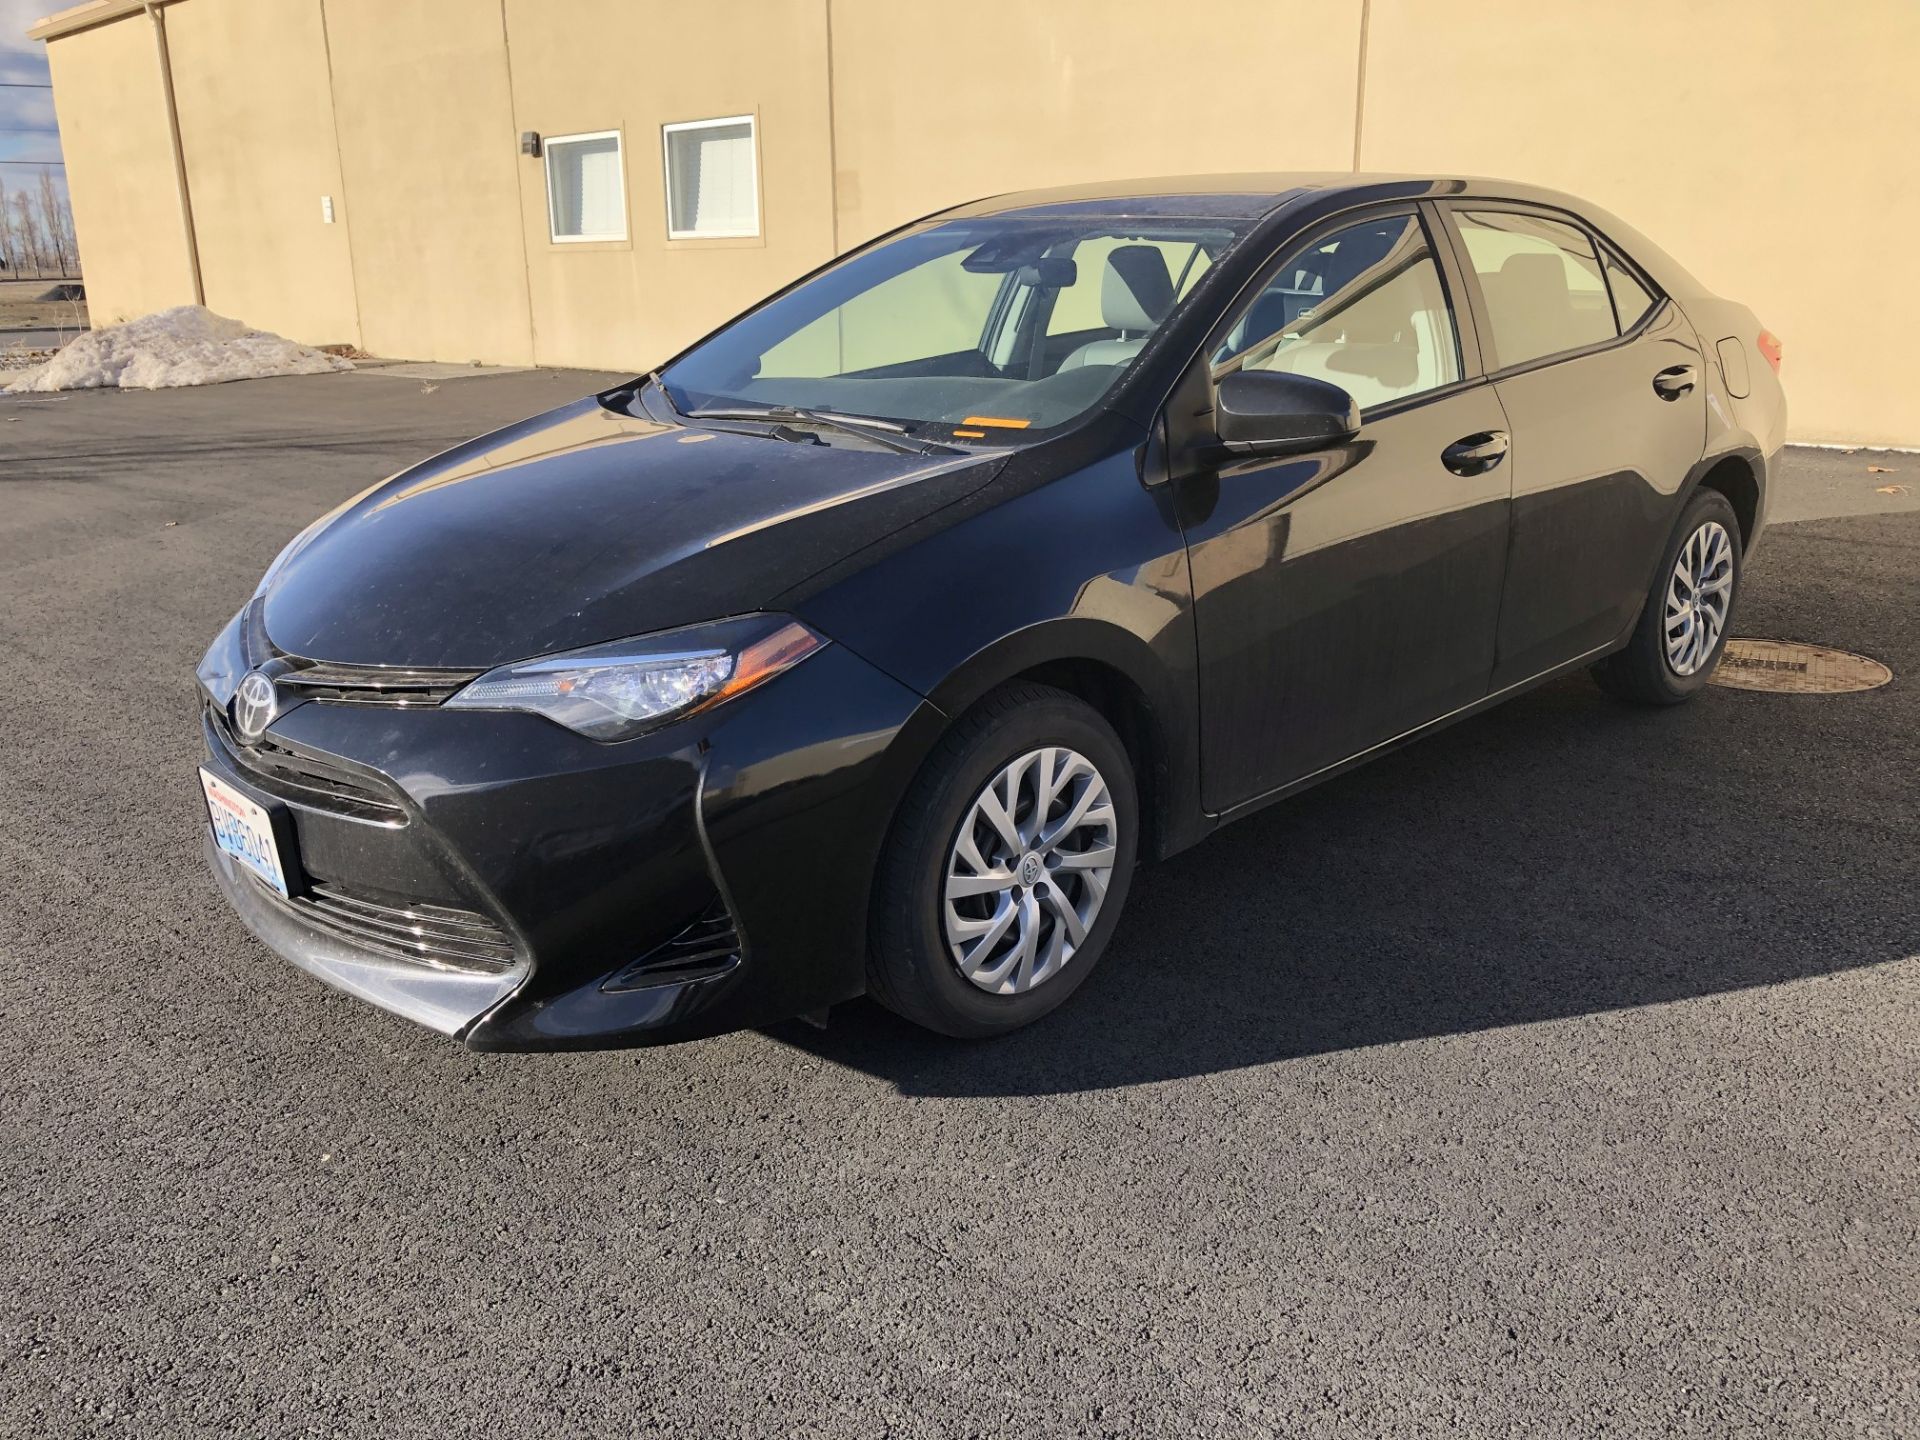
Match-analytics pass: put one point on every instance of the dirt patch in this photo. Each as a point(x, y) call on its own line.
point(41, 305)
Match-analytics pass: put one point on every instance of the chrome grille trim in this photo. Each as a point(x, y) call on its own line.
point(708, 946)
point(371, 684)
point(437, 936)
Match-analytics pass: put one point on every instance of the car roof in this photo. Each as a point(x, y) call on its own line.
point(1243, 196)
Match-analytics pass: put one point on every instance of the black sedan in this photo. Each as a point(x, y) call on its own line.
point(870, 643)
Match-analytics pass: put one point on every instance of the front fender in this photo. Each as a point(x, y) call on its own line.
point(1081, 575)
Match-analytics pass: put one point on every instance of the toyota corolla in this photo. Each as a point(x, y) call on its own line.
point(867, 645)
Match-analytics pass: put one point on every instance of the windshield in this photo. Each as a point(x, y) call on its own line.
point(974, 329)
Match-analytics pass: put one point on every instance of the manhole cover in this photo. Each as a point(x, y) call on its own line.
point(1788, 668)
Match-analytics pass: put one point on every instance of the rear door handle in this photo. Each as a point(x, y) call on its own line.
point(1674, 381)
point(1475, 454)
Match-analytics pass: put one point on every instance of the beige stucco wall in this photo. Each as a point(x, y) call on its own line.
point(1766, 144)
point(632, 303)
point(935, 104)
point(257, 129)
point(1763, 142)
point(126, 210)
point(427, 160)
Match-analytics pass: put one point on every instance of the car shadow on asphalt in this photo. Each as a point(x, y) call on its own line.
point(1563, 855)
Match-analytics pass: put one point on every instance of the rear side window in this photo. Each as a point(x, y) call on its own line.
point(1542, 282)
point(1630, 298)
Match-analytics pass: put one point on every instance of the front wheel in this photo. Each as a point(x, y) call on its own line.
point(1007, 866)
point(1684, 626)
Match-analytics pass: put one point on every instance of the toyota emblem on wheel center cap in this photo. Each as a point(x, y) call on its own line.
point(253, 706)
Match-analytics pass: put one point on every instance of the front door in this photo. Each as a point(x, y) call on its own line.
point(1347, 596)
point(1605, 387)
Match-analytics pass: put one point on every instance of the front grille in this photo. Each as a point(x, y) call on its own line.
point(344, 684)
point(303, 777)
point(437, 936)
point(370, 684)
point(708, 946)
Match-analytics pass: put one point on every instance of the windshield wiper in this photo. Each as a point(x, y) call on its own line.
point(868, 426)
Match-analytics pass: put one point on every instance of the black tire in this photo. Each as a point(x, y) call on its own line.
point(1642, 673)
point(909, 967)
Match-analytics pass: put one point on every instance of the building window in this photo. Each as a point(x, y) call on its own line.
point(713, 185)
point(586, 187)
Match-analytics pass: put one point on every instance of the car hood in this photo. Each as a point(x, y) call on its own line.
point(583, 525)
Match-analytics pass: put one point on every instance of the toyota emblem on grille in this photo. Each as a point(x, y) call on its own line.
point(253, 706)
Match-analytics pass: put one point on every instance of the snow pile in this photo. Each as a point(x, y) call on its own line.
point(188, 345)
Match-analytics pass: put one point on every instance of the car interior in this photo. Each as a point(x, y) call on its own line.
point(1029, 327)
point(1049, 324)
point(1362, 309)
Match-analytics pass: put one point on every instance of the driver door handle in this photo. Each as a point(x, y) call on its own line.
point(1674, 381)
point(1475, 454)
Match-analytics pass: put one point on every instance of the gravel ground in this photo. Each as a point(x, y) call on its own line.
point(1556, 1076)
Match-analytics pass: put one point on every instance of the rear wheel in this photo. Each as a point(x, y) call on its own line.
point(1007, 867)
point(1684, 625)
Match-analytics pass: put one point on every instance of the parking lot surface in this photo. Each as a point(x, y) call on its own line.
point(1559, 1075)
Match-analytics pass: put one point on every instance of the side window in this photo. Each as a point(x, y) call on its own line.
point(1362, 308)
point(1630, 298)
point(1541, 281)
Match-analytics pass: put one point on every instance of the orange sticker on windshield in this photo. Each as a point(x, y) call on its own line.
point(996, 420)
point(971, 434)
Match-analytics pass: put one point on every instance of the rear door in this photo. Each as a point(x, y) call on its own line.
point(1603, 385)
point(1345, 596)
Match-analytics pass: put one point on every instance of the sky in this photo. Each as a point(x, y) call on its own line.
point(27, 129)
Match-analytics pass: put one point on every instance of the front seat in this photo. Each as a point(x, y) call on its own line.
point(1136, 292)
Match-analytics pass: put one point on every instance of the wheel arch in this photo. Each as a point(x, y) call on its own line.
point(1735, 476)
point(1118, 674)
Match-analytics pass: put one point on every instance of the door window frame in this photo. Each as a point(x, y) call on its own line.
point(1184, 439)
point(1448, 211)
point(1465, 323)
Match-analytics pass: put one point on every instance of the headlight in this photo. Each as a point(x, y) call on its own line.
point(613, 692)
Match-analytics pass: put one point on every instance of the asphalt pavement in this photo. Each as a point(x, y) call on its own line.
point(1557, 1076)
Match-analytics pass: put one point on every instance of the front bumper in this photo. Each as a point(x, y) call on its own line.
point(441, 999)
point(712, 875)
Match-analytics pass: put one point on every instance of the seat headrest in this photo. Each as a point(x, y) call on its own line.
point(1136, 292)
point(1534, 277)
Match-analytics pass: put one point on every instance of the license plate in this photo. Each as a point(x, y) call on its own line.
point(243, 830)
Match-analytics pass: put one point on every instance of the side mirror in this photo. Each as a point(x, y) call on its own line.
point(1269, 412)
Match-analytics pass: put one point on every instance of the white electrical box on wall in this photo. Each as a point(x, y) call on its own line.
point(326, 209)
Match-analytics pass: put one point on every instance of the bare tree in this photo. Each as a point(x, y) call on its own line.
point(26, 231)
point(36, 232)
point(56, 224)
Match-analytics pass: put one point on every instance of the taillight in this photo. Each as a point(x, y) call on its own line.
point(1769, 344)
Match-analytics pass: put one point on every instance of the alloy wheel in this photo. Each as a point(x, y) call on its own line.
point(1698, 597)
point(1029, 870)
